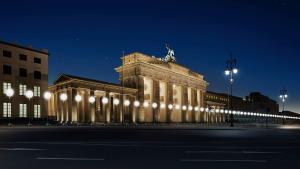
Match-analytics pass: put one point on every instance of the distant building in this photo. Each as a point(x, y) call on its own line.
point(255, 102)
point(261, 103)
point(23, 68)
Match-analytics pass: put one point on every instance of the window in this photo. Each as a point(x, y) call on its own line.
point(37, 60)
point(37, 75)
point(6, 86)
point(22, 89)
point(7, 69)
point(22, 110)
point(37, 111)
point(22, 72)
point(7, 53)
point(6, 109)
point(37, 91)
point(23, 57)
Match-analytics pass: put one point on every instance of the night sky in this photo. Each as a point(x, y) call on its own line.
point(86, 38)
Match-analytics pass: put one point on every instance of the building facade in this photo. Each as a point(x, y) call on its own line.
point(23, 68)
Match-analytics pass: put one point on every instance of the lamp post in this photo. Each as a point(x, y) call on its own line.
point(78, 99)
point(29, 95)
point(63, 97)
point(126, 104)
point(207, 110)
point(9, 93)
point(47, 97)
point(136, 104)
point(154, 106)
point(116, 102)
point(92, 100)
point(283, 97)
point(230, 71)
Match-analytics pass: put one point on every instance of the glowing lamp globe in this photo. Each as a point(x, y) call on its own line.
point(170, 106)
point(126, 103)
point(78, 98)
point(92, 99)
point(227, 72)
point(116, 102)
point(104, 100)
point(9, 92)
point(136, 103)
point(235, 70)
point(47, 95)
point(146, 104)
point(154, 105)
point(63, 97)
point(29, 94)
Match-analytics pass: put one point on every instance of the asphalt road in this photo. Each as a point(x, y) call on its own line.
point(148, 148)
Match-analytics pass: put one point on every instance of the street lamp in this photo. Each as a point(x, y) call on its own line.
point(78, 99)
point(92, 100)
point(283, 97)
point(63, 97)
point(29, 95)
point(154, 106)
point(9, 93)
point(230, 71)
point(47, 97)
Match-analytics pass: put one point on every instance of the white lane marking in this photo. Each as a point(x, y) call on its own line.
point(70, 159)
point(212, 160)
point(20, 149)
point(259, 152)
point(231, 152)
point(200, 152)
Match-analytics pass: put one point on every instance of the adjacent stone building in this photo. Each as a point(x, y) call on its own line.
point(23, 68)
point(91, 107)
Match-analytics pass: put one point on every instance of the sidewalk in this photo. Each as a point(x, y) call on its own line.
point(158, 127)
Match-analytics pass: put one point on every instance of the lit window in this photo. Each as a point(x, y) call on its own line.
point(37, 111)
point(6, 109)
point(37, 91)
point(22, 110)
point(6, 86)
point(22, 89)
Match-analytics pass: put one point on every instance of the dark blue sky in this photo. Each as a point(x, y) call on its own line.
point(86, 38)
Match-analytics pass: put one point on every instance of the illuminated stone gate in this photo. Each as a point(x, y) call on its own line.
point(167, 91)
